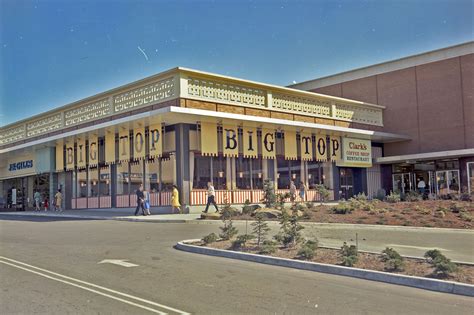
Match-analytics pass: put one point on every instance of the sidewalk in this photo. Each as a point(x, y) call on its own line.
point(109, 214)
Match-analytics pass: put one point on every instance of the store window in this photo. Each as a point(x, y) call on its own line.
point(257, 173)
point(243, 176)
point(152, 178)
point(315, 174)
point(470, 177)
point(136, 175)
point(219, 167)
point(93, 190)
point(202, 171)
point(81, 183)
point(122, 178)
point(447, 182)
point(295, 172)
point(283, 173)
point(104, 183)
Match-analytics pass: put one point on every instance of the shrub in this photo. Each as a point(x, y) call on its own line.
point(247, 209)
point(380, 195)
point(393, 197)
point(443, 265)
point(260, 228)
point(241, 241)
point(393, 260)
point(465, 196)
point(349, 255)
point(308, 250)
point(268, 247)
point(413, 196)
point(455, 208)
point(368, 207)
point(323, 192)
point(269, 197)
point(342, 208)
point(310, 205)
point(210, 238)
point(465, 216)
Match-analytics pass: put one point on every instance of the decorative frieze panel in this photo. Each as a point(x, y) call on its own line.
point(149, 94)
point(12, 134)
point(226, 93)
point(301, 105)
point(364, 115)
point(44, 125)
point(86, 113)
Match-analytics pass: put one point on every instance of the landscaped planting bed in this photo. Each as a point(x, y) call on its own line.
point(369, 261)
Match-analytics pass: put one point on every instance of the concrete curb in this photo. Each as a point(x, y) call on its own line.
point(411, 281)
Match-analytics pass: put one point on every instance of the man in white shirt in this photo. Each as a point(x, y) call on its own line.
point(211, 195)
point(421, 186)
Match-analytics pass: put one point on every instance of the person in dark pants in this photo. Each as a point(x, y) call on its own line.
point(140, 200)
point(211, 195)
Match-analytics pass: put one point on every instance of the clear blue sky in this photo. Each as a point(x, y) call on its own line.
point(56, 52)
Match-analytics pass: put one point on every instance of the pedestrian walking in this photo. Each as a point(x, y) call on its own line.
point(211, 196)
point(140, 200)
point(46, 204)
point(175, 199)
point(292, 191)
point(146, 194)
point(58, 201)
point(37, 198)
point(302, 191)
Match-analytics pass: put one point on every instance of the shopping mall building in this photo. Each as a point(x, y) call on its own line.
point(385, 126)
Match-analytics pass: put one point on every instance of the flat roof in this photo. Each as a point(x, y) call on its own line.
point(388, 66)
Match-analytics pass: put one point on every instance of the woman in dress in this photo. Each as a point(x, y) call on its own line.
point(175, 199)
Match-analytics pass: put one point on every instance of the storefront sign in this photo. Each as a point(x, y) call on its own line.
point(70, 154)
point(356, 153)
point(321, 148)
point(93, 150)
point(139, 143)
point(208, 139)
point(268, 144)
point(250, 142)
point(335, 148)
point(124, 144)
point(110, 146)
point(306, 144)
point(20, 165)
point(155, 140)
point(290, 145)
point(59, 156)
point(229, 140)
point(81, 152)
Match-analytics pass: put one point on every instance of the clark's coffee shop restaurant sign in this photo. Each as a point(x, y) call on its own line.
point(187, 128)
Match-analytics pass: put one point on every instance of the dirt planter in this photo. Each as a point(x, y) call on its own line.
point(411, 281)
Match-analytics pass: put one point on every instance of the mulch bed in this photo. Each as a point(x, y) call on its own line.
point(413, 267)
point(420, 214)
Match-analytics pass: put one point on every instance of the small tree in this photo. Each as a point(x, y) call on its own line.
point(228, 230)
point(290, 228)
point(269, 197)
point(260, 228)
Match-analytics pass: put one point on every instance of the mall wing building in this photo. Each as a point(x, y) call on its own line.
point(372, 130)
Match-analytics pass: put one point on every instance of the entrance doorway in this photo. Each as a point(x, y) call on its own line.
point(402, 182)
point(346, 183)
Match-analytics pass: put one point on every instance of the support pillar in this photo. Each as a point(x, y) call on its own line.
point(182, 166)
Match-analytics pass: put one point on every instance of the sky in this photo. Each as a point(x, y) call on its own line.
point(56, 52)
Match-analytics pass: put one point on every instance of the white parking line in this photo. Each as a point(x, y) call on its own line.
point(44, 273)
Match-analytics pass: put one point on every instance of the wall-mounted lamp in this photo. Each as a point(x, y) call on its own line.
point(221, 174)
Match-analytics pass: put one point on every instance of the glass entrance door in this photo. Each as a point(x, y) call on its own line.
point(402, 182)
point(346, 183)
point(447, 182)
